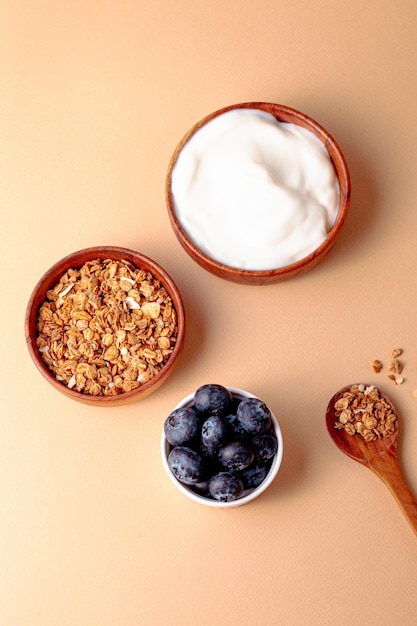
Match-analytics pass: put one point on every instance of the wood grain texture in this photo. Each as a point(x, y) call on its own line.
point(380, 456)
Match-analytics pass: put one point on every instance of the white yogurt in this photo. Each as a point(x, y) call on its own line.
point(255, 193)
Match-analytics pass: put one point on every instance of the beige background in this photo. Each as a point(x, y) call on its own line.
point(94, 97)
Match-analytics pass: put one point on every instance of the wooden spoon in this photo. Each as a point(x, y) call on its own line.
point(380, 456)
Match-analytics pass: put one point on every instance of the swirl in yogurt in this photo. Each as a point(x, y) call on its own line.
point(255, 193)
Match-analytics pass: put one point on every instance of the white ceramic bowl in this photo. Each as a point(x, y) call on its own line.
point(248, 495)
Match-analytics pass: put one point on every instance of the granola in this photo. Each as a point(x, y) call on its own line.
point(363, 411)
point(106, 328)
point(376, 365)
point(396, 366)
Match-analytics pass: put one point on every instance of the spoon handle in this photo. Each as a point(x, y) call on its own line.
point(388, 470)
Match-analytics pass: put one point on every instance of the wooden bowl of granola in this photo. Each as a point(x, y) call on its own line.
point(105, 325)
point(257, 192)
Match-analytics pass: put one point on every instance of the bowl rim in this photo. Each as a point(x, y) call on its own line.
point(252, 494)
point(52, 275)
point(282, 113)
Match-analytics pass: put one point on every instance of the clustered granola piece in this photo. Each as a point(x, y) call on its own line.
point(106, 328)
point(376, 366)
point(362, 411)
point(396, 366)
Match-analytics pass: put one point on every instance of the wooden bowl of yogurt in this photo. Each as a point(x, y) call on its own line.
point(257, 192)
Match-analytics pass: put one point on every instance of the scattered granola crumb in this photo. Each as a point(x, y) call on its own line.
point(398, 380)
point(396, 366)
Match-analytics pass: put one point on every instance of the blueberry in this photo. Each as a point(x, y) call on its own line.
point(186, 465)
point(213, 433)
point(201, 488)
point(236, 430)
point(254, 415)
point(265, 446)
point(181, 426)
point(252, 476)
point(221, 446)
point(225, 487)
point(231, 420)
point(235, 456)
point(212, 399)
point(211, 463)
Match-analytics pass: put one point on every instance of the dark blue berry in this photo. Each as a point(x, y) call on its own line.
point(213, 433)
point(186, 465)
point(201, 488)
point(221, 445)
point(225, 487)
point(254, 415)
point(265, 446)
point(181, 426)
point(252, 476)
point(235, 456)
point(235, 428)
point(212, 399)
